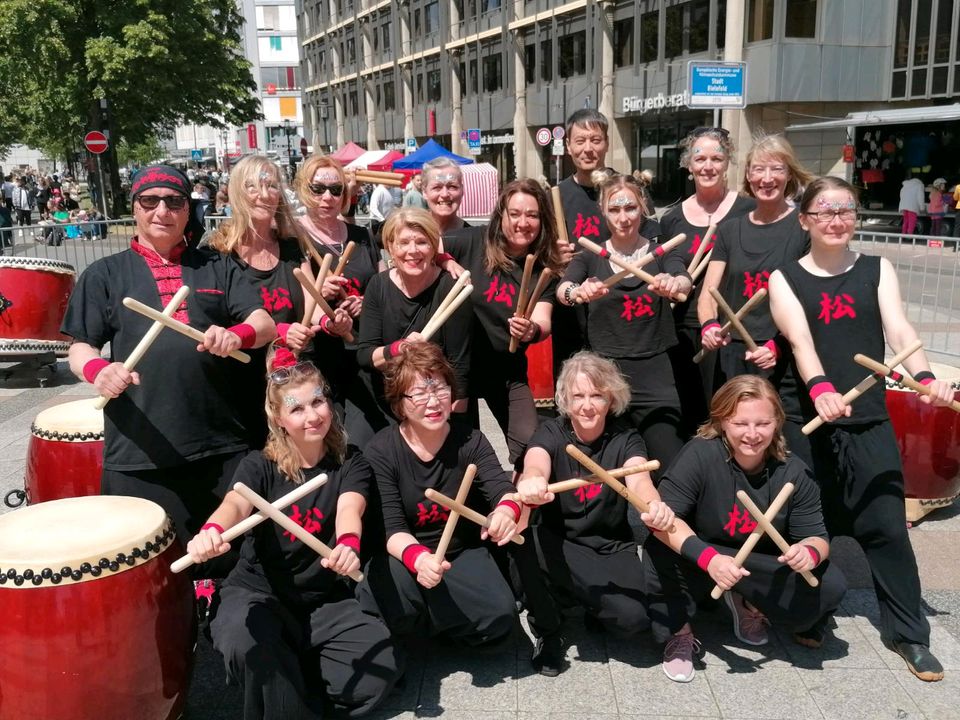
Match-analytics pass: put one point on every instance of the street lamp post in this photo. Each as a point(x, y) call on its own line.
point(324, 114)
point(286, 130)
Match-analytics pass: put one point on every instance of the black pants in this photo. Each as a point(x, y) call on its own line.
point(675, 585)
point(23, 217)
point(694, 380)
point(730, 362)
point(473, 603)
point(189, 494)
point(292, 663)
point(860, 475)
point(511, 403)
point(556, 572)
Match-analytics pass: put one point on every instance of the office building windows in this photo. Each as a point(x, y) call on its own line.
point(801, 20)
point(433, 85)
point(759, 20)
point(492, 72)
point(546, 60)
point(623, 43)
point(649, 27)
point(572, 58)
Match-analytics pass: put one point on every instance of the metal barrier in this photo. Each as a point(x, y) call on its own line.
point(76, 243)
point(928, 269)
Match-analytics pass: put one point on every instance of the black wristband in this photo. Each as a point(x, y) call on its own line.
point(924, 375)
point(692, 548)
point(816, 380)
point(712, 321)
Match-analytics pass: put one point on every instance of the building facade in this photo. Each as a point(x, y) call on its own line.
point(386, 73)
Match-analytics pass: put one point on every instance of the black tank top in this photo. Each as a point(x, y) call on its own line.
point(843, 314)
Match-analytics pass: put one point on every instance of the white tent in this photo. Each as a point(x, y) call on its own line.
point(481, 186)
point(368, 158)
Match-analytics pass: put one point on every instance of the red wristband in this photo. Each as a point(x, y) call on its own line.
point(213, 526)
point(771, 345)
point(441, 258)
point(282, 330)
point(924, 377)
point(818, 389)
point(926, 381)
point(325, 324)
point(92, 368)
point(814, 554)
point(410, 554)
point(706, 556)
point(512, 506)
point(351, 540)
point(246, 333)
point(708, 325)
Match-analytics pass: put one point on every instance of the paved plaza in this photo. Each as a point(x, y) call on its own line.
point(851, 677)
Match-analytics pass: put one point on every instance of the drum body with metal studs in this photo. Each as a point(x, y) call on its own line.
point(65, 453)
point(540, 373)
point(33, 300)
point(95, 625)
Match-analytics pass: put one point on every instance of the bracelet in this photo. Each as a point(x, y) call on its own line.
point(512, 507)
point(212, 526)
point(814, 554)
point(818, 385)
point(92, 368)
point(568, 293)
point(392, 350)
point(246, 333)
point(351, 540)
point(410, 554)
point(924, 377)
point(441, 258)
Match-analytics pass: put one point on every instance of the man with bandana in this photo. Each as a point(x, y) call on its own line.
point(172, 433)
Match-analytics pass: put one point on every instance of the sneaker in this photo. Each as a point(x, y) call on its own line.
point(549, 655)
point(749, 624)
point(678, 657)
point(919, 659)
point(813, 637)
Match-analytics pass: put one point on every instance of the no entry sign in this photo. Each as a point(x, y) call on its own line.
point(95, 141)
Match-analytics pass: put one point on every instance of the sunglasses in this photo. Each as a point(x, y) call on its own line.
point(281, 376)
point(319, 189)
point(722, 132)
point(173, 202)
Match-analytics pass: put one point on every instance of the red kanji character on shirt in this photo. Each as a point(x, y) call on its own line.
point(840, 306)
point(309, 521)
point(752, 283)
point(500, 292)
point(636, 308)
point(739, 521)
point(588, 492)
point(352, 288)
point(276, 300)
point(586, 226)
point(695, 247)
point(432, 516)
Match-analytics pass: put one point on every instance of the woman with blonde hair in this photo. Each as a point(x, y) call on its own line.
point(585, 552)
point(748, 249)
point(740, 447)
point(288, 626)
point(263, 239)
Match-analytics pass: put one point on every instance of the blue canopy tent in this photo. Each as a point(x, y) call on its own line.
point(430, 151)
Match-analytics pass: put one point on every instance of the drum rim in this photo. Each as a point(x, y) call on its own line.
point(91, 434)
point(42, 263)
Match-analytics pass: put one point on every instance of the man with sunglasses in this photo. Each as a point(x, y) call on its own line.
point(171, 428)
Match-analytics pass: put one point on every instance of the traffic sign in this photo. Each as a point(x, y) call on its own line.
point(558, 147)
point(717, 84)
point(196, 155)
point(543, 137)
point(96, 142)
point(474, 140)
point(558, 132)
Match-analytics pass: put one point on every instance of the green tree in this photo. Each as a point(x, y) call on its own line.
point(142, 153)
point(157, 63)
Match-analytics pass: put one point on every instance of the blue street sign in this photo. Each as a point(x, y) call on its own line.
point(473, 141)
point(717, 84)
point(196, 155)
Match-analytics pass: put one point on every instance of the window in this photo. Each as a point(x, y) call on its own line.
point(389, 95)
point(530, 64)
point(546, 60)
point(416, 23)
point(433, 85)
point(649, 25)
point(386, 36)
point(351, 50)
point(901, 41)
point(432, 17)
point(941, 52)
point(492, 72)
point(491, 5)
point(721, 23)
point(419, 87)
point(699, 26)
point(623, 43)
point(573, 54)
point(268, 17)
point(759, 20)
point(921, 35)
point(673, 40)
point(276, 42)
point(473, 84)
point(354, 104)
point(801, 19)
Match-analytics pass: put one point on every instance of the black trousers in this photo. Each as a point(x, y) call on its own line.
point(473, 603)
point(294, 663)
point(694, 380)
point(189, 494)
point(729, 363)
point(511, 403)
point(556, 572)
point(23, 217)
point(675, 585)
point(860, 475)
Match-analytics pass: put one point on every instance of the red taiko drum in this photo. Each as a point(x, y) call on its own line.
point(95, 625)
point(65, 454)
point(33, 300)
point(540, 373)
point(929, 442)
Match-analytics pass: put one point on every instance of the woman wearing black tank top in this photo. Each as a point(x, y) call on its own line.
point(830, 304)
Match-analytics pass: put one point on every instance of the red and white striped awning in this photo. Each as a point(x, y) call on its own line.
point(481, 186)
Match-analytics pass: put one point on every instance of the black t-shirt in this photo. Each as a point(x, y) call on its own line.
point(581, 211)
point(364, 263)
point(843, 313)
point(272, 560)
point(701, 487)
point(752, 252)
point(494, 302)
point(402, 479)
point(186, 406)
point(595, 515)
point(675, 222)
point(630, 320)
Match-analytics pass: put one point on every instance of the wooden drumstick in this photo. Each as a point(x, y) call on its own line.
point(440, 317)
point(318, 298)
point(661, 250)
point(472, 515)
point(695, 275)
point(698, 255)
point(607, 479)
point(758, 296)
point(559, 218)
point(310, 304)
point(452, 518)
point(772, 533)
point(868, 382)
point(522, 295)
point(574, 483)
point(345, 258)
point(623, 264)
point(450, 297)
point(751, 542)
point(612, 280)
point(537, 293)
point(314, 253)
point(734, 320)
point(252, 521)
point(379, 177)
point(180, 327)
point(289, 525)
point(147, 340)
point(904, 380)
